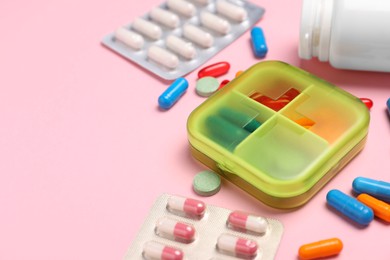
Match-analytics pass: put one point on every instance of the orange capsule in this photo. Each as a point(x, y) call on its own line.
point(323, 248)
point(238, 73)
point(381, 209)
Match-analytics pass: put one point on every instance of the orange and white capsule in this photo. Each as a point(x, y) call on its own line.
point(240, 247)
point(232, 11)
point(319, 249)
point(175, 230)
point(186, 206)
point(156, 251)
point(381, 209)
point(182, 7)
point(198, 36)
point(247, 222)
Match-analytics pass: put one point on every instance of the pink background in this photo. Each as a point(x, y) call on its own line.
point(85, 151)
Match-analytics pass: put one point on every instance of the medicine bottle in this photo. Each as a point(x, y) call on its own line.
point(349, 34)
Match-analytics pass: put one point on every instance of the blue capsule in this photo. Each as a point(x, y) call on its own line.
point(258, 42)
point(173, 93)
point(375, 188)
point(350, 207)
point(388, 105)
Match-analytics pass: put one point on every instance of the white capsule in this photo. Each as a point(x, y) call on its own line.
point(232, 11)
point(180, 46)
point(203, 2)
point(163, 57)
point(165, 17)
point(182, 7)
point(215, 22)
point(147, 28)
point(132, 39)
point(198, 36)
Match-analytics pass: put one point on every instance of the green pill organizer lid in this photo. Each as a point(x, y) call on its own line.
point(278, 132)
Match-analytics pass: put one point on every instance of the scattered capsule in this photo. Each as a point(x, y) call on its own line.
point(156, 251)
point(215, 22)
point(232, 11)
point(388, 106)
point(147, 28)
point(214, 70)
point(368, 102)
point(247, 222)
point(223, 83)
point(198, 36)
point(182, 7)
point(376, 188)
point(173, 93)
point(381, 209)
point(163, 57)
point(237, 246)
point(180, 46)
point(350, 207)
point(165, 17)
point(186, 206)
point(238, 73)
point(175, 230)
point(319, 249)
point(258, 42)
point(132, 39)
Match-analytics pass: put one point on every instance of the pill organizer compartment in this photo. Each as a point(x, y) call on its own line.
point(306, 131)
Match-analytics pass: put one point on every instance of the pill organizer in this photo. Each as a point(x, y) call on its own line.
point(185, 228)
point(178, 36)
point(278, 132)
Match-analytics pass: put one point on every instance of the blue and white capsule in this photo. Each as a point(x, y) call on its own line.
point(172, 94)
point(375, 188)
point(350, 207)
point(258, 42)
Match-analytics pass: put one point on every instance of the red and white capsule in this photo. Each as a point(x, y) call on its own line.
point(240, 247)
point(247, 222)
point(156, 251)
point(175, 230)
point(186, 206)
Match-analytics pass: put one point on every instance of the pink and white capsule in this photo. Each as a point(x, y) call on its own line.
point(175, 230)
point(156, 251)
point(186, 206)
point(237, 246)
point(232, 11)
point(247, 222)
point(182, 7)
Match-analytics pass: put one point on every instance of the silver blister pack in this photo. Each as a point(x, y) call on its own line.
point(206, 16)
point(209, 230)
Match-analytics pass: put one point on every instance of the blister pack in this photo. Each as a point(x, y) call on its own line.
point(178, 36)
point(182, 228)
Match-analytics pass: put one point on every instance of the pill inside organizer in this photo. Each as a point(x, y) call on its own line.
point(187, 33)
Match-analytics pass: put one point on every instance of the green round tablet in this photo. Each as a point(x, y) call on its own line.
point(206, 86)
point(206, 183)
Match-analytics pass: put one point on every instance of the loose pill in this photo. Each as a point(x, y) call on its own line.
point(319, 249)
point(376, 188)
point(163, 57)
point(237, 246)
point(388, 105)
point(156, 251)
point(238, 73)
point(215, 22)
point(381, 209)
point(172, 94)
point(182, 7)
point(206, 86)
point(223, 83)
point(176, 230)
point(147, 28)
point(258, 42)
point(214, 70)
point(198, 36)
point(247, 222)
point(232, 11)
point(132, 39)
point(180, 47)
point(350, 207)
point(186, 206)
point(164, 17)
point(206, 183)
point(368, 102)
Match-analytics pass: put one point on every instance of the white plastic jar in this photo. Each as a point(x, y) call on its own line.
point(350, 34)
